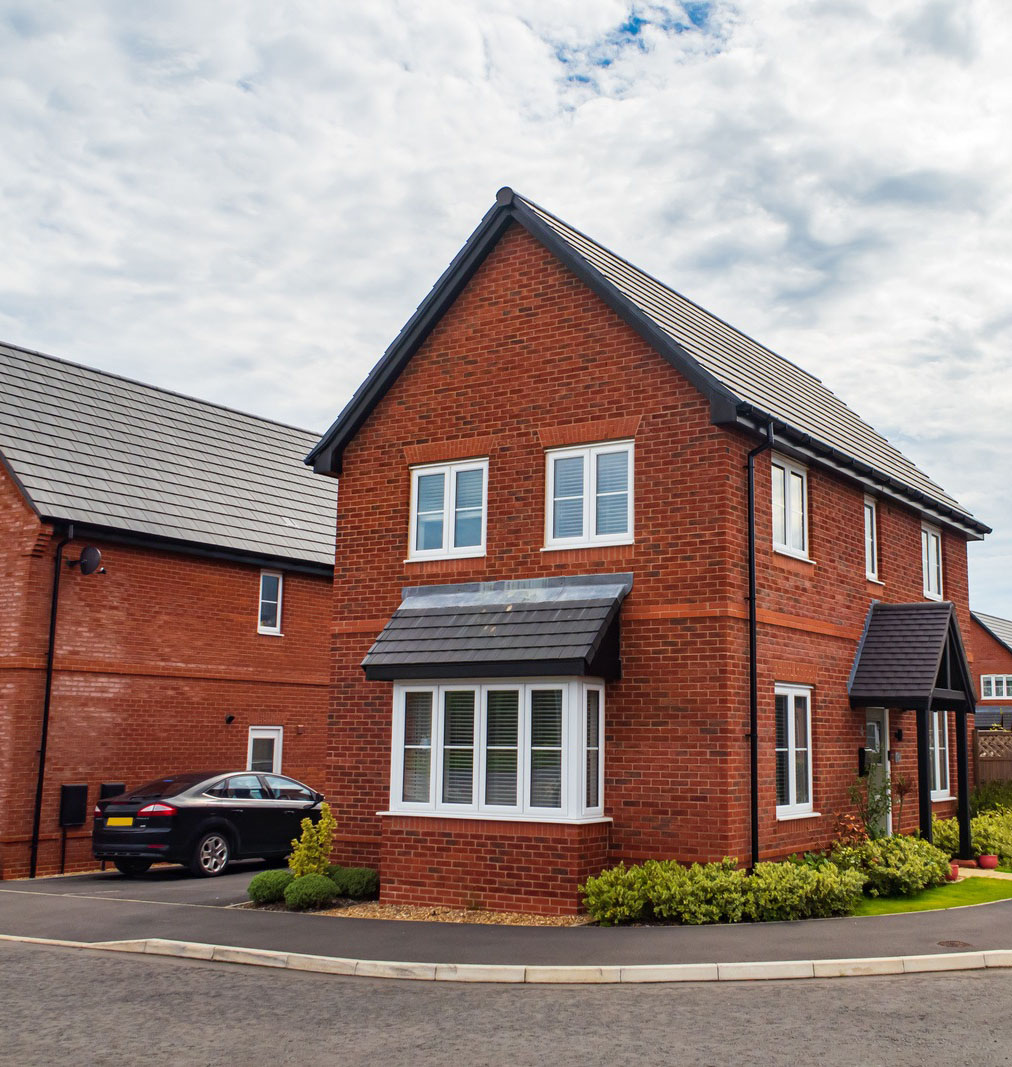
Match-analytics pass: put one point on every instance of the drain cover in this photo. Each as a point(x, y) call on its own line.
point(954, 944)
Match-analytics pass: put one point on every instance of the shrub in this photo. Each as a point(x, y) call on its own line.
point(945, 835)
point(333, 870)
point(807, 887)
point(990, 834)
point(309, 891)
point(268, 887)
point(989, 796)
point(356, 882)
point(894, 866)
point(311, 851)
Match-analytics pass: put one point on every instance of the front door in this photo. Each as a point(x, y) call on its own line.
point(876, 751)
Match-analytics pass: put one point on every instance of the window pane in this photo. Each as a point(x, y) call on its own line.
point(430, 532)
point(458, 775)
point(999, 685)
point(429, 528)
point(269, 615)
point(593, 773)
point(783, 782)
point(613, 514)
point(569, 477)
point(417, 718)
point(779, 506)
point(801, 776)
point(416, 775)
point(503, 717)
point(567, 518)
point(986, 686)
point(613, 472)
point(546, 717)
point(262, 754)
point(797, 512)
point(458, 726)
point(612, 493)
point(870, 562)
point(546, 779)
point(593, 717)
point(430, 492)
point(467, 529)
point(468, 505)
point(501, 776)
point(781, 721)
point(269, 587)
point(801, 722)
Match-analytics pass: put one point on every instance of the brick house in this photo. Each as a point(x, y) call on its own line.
point(202, 643)
point(542, 660)
point(990, 644)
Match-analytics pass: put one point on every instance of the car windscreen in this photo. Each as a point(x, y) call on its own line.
point(167, 787)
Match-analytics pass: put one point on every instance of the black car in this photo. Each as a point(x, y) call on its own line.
point(203, 820)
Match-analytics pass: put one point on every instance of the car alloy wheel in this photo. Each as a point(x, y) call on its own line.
point(212, 854)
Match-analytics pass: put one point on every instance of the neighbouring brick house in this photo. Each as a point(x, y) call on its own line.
point(990, 644)
point(204, 642)
point(541, 662)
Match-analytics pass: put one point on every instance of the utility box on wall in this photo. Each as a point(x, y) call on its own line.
point(73, 805)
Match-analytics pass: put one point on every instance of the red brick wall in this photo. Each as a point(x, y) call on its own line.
point(525, 356)
point(150, 658)
point(989, 657)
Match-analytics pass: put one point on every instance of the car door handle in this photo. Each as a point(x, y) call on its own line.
point(237, 811)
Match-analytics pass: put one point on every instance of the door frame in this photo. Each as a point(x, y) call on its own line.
point(276, 733)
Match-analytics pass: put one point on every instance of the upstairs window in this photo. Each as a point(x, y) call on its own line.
point(996, 686)
point(269, 620)
point(931, 562)
point(870, 539)
point(790, 507)
point(589, 496)
point(449, 505)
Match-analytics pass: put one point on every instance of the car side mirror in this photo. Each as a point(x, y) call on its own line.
point(317, 797)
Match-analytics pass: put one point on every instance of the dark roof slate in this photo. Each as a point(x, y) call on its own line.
point(99, 450)
point(901, 654)
point(531, 628)
point(743, 379)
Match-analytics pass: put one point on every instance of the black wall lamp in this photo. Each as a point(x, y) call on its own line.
point(229, 719)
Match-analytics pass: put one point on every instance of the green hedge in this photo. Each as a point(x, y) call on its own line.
point(310, 891)
point(990, 834)
point(991, 796)
point(893, 866)
point(269, 886)
point(359, 883)
point(719, 892)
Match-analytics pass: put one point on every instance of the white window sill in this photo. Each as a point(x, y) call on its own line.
point(443, 556)
point(932, 596)
point(484, 816)
point(270, 633)
point(873, 579)
point(937, 798)
point(803, 557)
point(793, 816)
point(587, 544)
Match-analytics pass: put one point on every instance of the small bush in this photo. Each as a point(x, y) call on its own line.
point(990, 834)
point(619, 895)
point(894, 866)
point(702, 893)
point(310, 891)
point(311, 851)
point(777, 892)
point(268, 887)
point(333, 870)
point(359, 883)
point(991, 796)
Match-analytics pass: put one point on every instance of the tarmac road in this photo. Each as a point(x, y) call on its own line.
point(81, 1007)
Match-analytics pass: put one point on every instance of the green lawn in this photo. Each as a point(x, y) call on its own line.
point(950, 895)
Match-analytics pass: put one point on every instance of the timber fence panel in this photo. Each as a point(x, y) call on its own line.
point(993, 751)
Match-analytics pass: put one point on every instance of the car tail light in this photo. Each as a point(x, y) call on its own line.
point(157, 809)
point(98, 812)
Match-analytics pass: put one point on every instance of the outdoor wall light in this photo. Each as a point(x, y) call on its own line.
point(229, 719)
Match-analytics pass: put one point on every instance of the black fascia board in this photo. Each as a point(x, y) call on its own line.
point(980, 622)
point(889, 700)
point(754, 420)
point(325, 457)
point(194, 548)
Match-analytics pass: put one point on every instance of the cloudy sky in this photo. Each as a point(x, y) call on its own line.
point(245, 201)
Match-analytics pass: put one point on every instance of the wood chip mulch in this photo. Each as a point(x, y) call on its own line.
point(423, 913)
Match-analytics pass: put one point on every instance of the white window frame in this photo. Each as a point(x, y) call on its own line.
point(590, 454)
point(573, 807)
point(275, 733)
point(789, 468)
point(793, 809)
point(274, 631)
point(929, 533)
point(449, 472)
point(991, 682)
point(871, 560)
point(939, 754)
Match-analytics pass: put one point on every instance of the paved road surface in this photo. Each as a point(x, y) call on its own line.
point(78, 1007)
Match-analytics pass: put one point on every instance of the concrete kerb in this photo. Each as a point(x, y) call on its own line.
point(581, 975)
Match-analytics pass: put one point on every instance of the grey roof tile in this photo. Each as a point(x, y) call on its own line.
point(91, 447)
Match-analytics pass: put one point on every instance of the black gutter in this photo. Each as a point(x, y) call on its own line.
point(753, 667)
point(50, 655)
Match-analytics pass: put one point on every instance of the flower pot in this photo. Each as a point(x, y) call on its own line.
point(988, 862)
point(953, 872)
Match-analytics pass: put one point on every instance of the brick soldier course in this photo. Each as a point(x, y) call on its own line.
point(522, 348)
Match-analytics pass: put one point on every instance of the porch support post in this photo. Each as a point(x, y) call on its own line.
point(963, 787)
point(923, 773)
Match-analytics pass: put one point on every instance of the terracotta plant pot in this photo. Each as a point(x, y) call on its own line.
point(953, 872)
point(988, 863)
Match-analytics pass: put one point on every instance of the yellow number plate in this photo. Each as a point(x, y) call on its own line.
point(119, 820)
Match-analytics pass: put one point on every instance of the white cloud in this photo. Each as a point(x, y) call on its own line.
point(245, 201)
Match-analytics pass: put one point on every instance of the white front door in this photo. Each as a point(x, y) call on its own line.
point(876, 752)
point(264, 750)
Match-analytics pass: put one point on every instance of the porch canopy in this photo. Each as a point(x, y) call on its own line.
point(911, 656)
point(538, 627)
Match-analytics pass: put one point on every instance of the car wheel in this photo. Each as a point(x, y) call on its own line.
point(211, 855)
point(131, 867)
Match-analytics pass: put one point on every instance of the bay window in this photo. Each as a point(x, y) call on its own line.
point(499, 748)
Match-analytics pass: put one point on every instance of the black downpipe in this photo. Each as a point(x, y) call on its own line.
point(50, 655)
point(753, 668)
